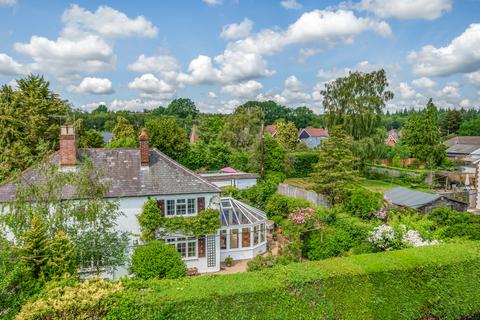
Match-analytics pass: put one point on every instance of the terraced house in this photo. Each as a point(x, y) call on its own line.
point(136, 174)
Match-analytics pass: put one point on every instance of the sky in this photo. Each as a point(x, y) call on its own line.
point(135, 55)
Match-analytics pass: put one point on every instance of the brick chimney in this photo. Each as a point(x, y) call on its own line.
point(68, 146)
point(144, 156)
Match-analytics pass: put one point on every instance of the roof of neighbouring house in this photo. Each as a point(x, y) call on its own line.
point(409, 198)
point(462, 149)
point(272, 129)
point(219, 176)
point(472, 140)
point(122, 169)
point(315, 132)
point(392, 134)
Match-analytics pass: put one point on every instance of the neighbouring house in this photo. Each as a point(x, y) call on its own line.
point(229, 177)
point(423, 202)
point(137, 174)
point(107, 137)
point(312, 137)
point(392, 138)
point(463, 146)
point(271, 129)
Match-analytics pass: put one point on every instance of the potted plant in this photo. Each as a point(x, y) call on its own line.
point(228, 261)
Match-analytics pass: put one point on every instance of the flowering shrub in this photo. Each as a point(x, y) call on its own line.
point(301, 215)
point(414, 239)
point(385, 238)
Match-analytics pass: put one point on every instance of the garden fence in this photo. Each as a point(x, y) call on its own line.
point(296, 192)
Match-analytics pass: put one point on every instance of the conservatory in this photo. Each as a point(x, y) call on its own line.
point(243, 231)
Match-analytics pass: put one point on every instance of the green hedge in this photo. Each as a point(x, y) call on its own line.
point(440, 281)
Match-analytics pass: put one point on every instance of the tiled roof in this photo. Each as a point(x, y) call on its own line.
point(121, 167)
point(409, 198)
point(316, 132)
point(463, 140)
point(462, 149)
point(271, 128)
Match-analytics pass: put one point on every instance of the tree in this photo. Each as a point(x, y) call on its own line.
point(371, 148)
point(29, 123)
point(88, 218)
point(182, 108)
point(422, 134)
point(34, 246)
point(470, 128)
point(287, 134)
point(91, 139)
point(101, 109)
point(270, 110)
point(355, 102)
point(334, 174)
point(167, 136)
point(209, 128)
point(304, 117)
point(62, 257)
point(451, 121)
point(242, 127)
point(124, 135)
point(274, 159)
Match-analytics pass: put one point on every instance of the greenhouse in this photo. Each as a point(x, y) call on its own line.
point(243, 231)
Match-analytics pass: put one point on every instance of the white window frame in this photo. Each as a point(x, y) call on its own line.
point(189, 203)
point(187, 241)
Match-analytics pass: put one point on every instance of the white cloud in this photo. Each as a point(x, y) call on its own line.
point(293, 91)
point(306, 53)
point(404, 9)
point(291, 4)
point(318, 26)
point(213, 2)
point(237, 30)
point(465, 103)
point(152, 87)
point(134, 105)
point(105, 21)
point(450, 91)
point(225, 68)
point(94, 86)
point(474, 78)
point(462, 55)
point(7, 3)
point(246, 89)
point(91, 106)
point(405, 91)
point(65, 57)
point(10, 67)
point(424, 82)
point(165, 65)
point(328, 75)
point(212, 94)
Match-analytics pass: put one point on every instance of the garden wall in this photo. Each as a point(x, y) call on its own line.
point(296, 192)
point(437, 281)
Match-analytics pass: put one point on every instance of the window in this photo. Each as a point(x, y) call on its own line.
point(191, 206)
point(262, 233)
point(187, 247)
point(255, 235)
point(234, 239)
point(181, 207)
point(170, 207)
point(245, 237)
point(223, 239)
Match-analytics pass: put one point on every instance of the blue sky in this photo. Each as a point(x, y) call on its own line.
point(141, 54)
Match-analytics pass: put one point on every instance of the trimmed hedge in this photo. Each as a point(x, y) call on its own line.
point(439, 281)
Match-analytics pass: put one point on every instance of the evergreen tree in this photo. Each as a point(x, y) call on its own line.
point(451, 121)
point(123, 134)
point(334, 174)
point(34, 249)
point(287, 134)
point(62, 258)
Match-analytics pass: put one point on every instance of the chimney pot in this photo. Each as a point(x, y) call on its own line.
point(144, 152)
point(68, 146)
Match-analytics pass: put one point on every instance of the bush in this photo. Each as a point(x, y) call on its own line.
point(157, 260)
point(279, 206)
point(87, 300)
point(421, 283)
point(362, 203)
point(301, 163)
point(454, 224)
point(321, 245)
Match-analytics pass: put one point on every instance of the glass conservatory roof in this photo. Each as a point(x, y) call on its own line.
point(234, 213)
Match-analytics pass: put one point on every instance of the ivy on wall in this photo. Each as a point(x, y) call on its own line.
point(152, 220)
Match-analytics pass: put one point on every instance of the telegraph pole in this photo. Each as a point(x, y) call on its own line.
point(262, 153)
